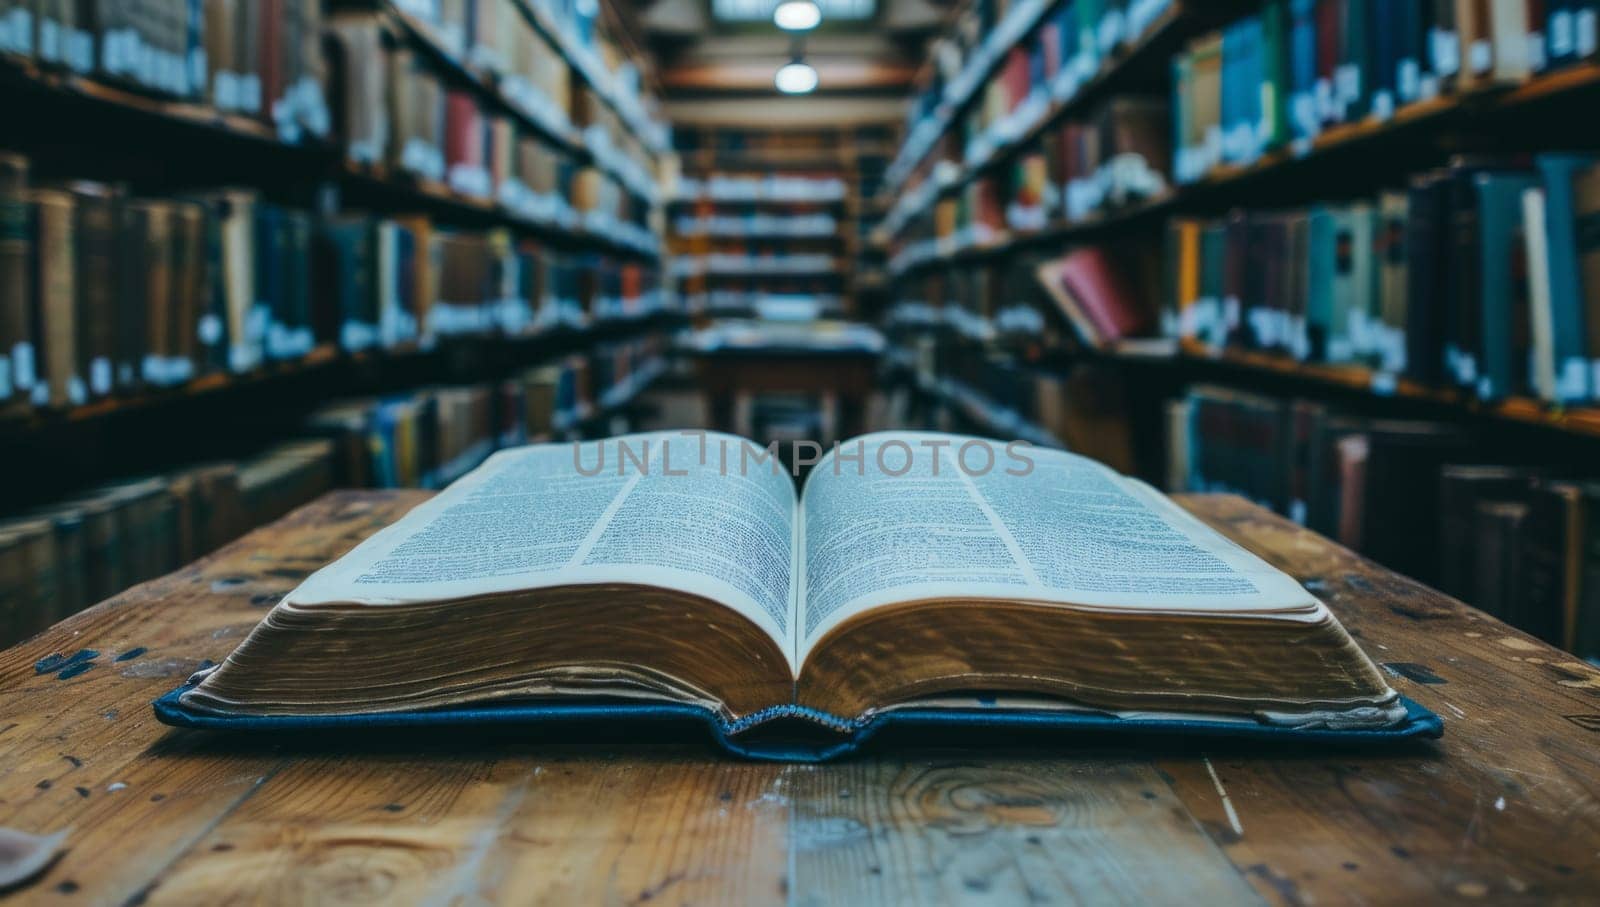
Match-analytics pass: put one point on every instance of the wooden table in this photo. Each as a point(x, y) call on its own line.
point(1505, 807)
point(846, 377)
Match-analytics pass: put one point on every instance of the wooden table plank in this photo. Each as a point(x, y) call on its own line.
point(1506, 807)
point(86, 752)
point(1006, 830)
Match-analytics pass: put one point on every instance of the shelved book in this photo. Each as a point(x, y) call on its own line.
point(1479, 276)
point(1520, 541)
point(652, 577)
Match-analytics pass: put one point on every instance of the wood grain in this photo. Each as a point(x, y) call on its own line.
point(1505, 808)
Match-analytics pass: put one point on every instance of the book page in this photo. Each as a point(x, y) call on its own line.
point(666, 509)
point(972, 518)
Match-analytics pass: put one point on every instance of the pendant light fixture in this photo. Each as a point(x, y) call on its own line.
point(797, 15)
point(796, 77)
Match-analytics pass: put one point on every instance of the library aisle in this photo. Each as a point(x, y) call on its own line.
point(274, 274)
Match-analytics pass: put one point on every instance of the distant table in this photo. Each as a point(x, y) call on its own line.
point(848, 377)
point(1505, 807)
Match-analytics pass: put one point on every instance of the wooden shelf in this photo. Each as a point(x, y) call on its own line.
point(843, 158)
point(807, 204)
point(402, 191)
point(1058, 233)
point(320, 158)
point(324, 361)
point(22, 74)
point(1584, 421)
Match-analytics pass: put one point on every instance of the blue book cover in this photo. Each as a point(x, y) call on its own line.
point(795, 734)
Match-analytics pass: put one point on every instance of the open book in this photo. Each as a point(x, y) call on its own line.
point(914, 573)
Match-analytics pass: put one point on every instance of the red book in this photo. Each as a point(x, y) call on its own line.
point(1016, 77)
point(269, 55)
point(1096, 296)
point(463, 134)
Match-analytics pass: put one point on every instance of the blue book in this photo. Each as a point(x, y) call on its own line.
point(1502, 289)
point(1388, 35)
point(1560, 33)
point(1568, 318)
point(1305, 122)
point(930, 583)
point(1231, 116)
point(1250, 79)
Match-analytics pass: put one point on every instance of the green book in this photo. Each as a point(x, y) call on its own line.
point(1353, 78)
point(1274, 126)
point(1357, 319)
point(1321, 264)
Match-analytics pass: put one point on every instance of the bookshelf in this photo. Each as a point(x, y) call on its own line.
point(764, 213)
point(1218, 190)
point(516, 283)
point(983, 199)
point(1131, 63)
point(316, 159)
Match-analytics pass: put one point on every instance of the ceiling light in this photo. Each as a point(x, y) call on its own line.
point(796, 78)
point(797, 15)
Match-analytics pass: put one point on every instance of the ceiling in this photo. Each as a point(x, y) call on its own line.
point(702, 57)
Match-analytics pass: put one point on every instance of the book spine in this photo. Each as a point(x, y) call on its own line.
point(98, 268)
point(17, 357)
point(1541, 361)
point(1586, 225)
point(63, 386)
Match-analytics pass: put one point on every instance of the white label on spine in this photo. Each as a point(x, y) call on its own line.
point(1536, 60)
point(80, 51)
point(1481, 56)
point(76, 391)
point(1446, 52)
point(1572, 381)
point(49, 40)
point(250, 93)
point(22, 370)
point(209, 329)
point(100, 376)
point(1584, 39)
point(1408, 81)
point(225, 91)
point(1348, 79)
point(5, 378)
point(1561, 38)
point(1382, 105)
